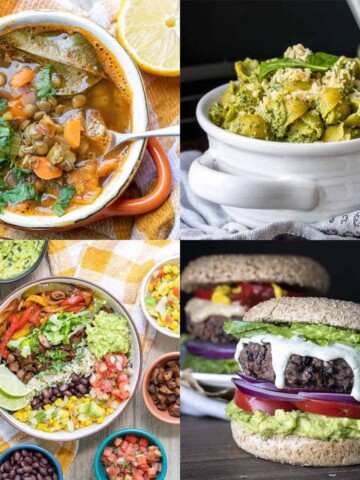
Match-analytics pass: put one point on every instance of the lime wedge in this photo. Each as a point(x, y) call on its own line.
point(12, 404)
point(10, 385)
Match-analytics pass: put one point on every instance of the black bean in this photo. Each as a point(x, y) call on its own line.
point(43, 471)
point(17, 456)
point(28, 460)
point(44, 461)
point(85, 381)
point(27, 469)
point(63, 387)
point(46, 393)
point(75, 377)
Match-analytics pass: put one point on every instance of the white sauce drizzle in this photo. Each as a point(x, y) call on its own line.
point(200, 310)
point(282, 349)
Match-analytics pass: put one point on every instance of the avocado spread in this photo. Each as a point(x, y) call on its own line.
point(108, 333)
point(295, 422)
point(18, 256)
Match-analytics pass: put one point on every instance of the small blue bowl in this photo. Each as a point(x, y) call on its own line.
point(25, 446)
point(98, 465)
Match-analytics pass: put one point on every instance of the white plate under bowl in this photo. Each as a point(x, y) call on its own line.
point(166, 331)
point(218, 380)
point(136, 358)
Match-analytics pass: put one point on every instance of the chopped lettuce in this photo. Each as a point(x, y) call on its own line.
point(56, 330)
point(318, 334)
point(208, 365)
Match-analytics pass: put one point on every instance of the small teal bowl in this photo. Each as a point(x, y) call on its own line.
point(34, 448)
point(98, 465)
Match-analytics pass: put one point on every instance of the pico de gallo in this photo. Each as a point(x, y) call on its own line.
point(132, 458)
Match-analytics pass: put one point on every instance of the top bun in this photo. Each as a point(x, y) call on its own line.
point(324, 311)
point(291, 270)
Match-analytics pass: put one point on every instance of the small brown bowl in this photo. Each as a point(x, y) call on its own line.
point(163, 416)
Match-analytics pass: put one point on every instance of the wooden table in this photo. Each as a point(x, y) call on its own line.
point(209, 452)
point(136, 415)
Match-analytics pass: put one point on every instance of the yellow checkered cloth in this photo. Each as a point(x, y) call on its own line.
point(119, 268)
point(164, 106)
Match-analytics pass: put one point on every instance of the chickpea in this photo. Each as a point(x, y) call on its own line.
point(56, 80)
point(30, 110)
point(24, 124)
point(53, 102)
point(60, 109)
point(41, 148)
point(34, 134)
point(3, 79)
point(44, 106)
point(38, 116)
point(79, 101)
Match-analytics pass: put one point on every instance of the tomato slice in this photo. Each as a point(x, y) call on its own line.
point(250, 403)
point(330, 409)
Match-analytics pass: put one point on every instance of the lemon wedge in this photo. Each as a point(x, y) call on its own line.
point(150, 32)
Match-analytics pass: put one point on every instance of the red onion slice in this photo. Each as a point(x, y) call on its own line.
point(215, 351)
point(268, 390)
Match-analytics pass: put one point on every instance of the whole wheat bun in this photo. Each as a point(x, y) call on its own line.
point(291, 270)
point(298, 450)
point(324, 311)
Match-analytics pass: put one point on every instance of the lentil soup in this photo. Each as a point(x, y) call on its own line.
point(61, 91)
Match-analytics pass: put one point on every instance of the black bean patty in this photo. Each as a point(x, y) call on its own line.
point(301, 372)
point(212, 330)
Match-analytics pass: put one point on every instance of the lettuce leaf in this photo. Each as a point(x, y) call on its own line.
point(208, 365)
point(318, 334)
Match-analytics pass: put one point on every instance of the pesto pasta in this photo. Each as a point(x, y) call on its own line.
point(303, 97)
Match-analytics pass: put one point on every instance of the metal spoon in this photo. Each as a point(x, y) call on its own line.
point(117, 139)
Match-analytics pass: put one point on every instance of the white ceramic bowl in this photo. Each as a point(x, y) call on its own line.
point(258, 181)
point(144, 294)
point(136, 358)
point(139, 115)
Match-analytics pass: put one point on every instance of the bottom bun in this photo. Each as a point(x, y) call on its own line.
point(298, 450)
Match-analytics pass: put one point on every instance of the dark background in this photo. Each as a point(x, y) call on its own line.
point(341, 259)
point(222, 31)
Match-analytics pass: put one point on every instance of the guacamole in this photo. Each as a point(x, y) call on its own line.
point(295, 422)
point(302, 97)
point(18, 256)
point(108, 333)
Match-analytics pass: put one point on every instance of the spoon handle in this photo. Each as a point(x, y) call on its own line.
point(173, 131)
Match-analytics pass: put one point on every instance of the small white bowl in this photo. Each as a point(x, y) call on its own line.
point(259, 181)
point(144, 291)
point(136, 358)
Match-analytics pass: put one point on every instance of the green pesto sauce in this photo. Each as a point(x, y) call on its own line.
point(18, 256)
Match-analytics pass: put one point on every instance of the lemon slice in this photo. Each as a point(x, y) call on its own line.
point(150, 32)
point(10, 385)
point(12, 404)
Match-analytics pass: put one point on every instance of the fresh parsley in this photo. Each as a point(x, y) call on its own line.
point(318, 62)
point(6, 133)
point(20, 193)
point(66, 194)
point(3, 105)
point(43, 83)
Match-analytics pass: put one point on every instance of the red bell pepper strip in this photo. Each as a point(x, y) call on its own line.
point(75, 308)
point(73, 300)
point(30, 315)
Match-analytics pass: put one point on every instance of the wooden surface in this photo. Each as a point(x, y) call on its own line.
point(209, 452)
point(136, 415)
